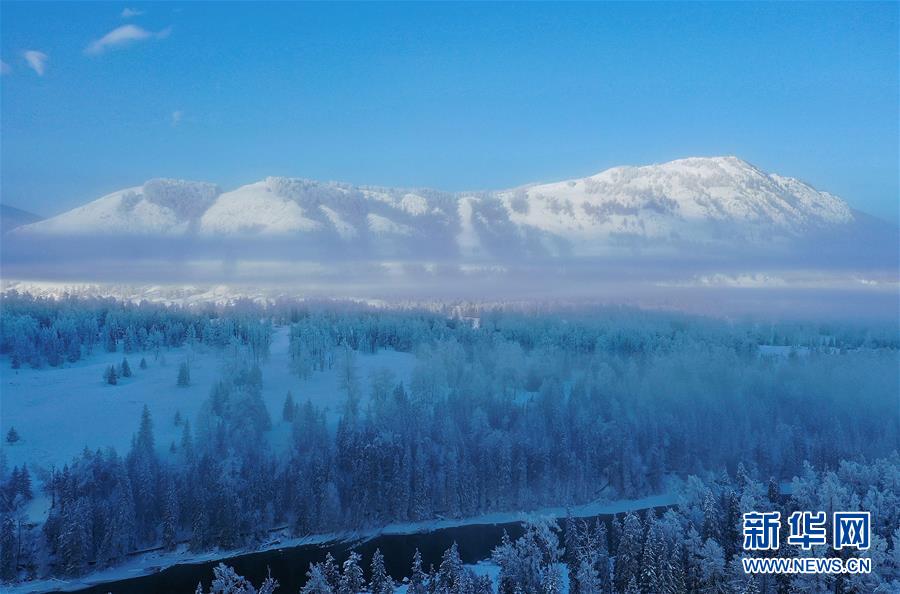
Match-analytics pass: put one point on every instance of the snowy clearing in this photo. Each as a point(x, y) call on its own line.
point(60, 411)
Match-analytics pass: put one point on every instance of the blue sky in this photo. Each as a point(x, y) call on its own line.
point(442, 95)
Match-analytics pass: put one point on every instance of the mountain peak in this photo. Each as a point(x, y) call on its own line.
point(728, 163)
point(729, 159)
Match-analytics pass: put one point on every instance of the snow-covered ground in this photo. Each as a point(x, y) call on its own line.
point(60, 411)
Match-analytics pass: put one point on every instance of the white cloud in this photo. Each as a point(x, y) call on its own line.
point(127, 13)
point(36, 60)
point(5, 68)
point(177, 116)
point(122, 36)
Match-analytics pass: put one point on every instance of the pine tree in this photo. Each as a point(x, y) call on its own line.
point(651, 562)
point(288, 411)
point(12, 485)
point(676, 582)
point(711, 518)
point(332, 573)
point(352, 580)
point(602, 547)
point(9, 546)
point(199, 531)
point(551, 583)
point(110, 341)
point(572, 537)
point(170, 519)
point(628, 558)
point(177, 420)
point(506, 556)
point(227, 581)
point(130, 340)
point(126, 368)
point(184, 375)
point(110, 375)
point(143, 364)
point(269, 585)
point(73, 540)
point(586, 577)
point(187, 441)
point(12, 436)
point(482, 584)
point(773, 490)
point(731, 533)
point(316, 581)
point(450, 576)
point(380, 582)
point(120, 529)
point(143, 468)
point(418, 579)
point(632, 587)
point(711, 561)
point(752, 586)
point(24, 485)
point(145, 441)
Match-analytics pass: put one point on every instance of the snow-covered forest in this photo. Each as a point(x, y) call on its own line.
point(502, 409)
point(691, 547)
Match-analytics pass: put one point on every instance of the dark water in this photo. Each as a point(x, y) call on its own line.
point(289, 565)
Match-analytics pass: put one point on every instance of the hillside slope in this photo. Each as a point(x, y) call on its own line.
point(12, 218)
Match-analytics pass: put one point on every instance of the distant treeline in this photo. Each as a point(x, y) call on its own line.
point(39, 331)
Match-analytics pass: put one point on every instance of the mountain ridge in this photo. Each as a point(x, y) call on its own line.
point(12, 217)
point(699, 200)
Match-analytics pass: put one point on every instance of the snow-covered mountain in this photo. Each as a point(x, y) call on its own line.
point(159, 207)
point(11, 217)
point(697, 201)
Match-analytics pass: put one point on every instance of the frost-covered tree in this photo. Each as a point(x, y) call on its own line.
point(110, 375)
point(711, 561)
point(587, 557)
point(184, 375)
point(451, 576)
point(170, 518)
point(506, 556)
point(9, 547)
point(380, 582)
point(332, 572)
point(418, 578)
point(652, 576)
point(628, 555)
point(187, 441)
point(316, 581)
point(530, 563)
point(289, 410)
point(227, 581)
point(352, 579)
